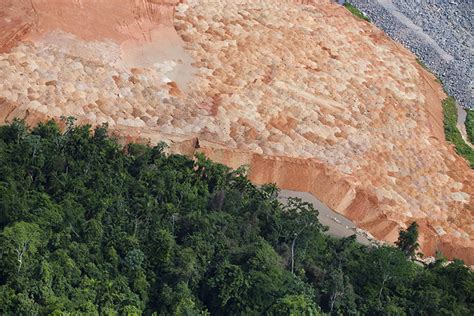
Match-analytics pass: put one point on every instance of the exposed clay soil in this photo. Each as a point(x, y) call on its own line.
point(310, 97)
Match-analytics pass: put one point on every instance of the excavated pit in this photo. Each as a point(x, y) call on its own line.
point(310, 97)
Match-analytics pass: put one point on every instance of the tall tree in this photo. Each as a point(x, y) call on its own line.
point(21, 239)
point(299, 222)
point(408, 240)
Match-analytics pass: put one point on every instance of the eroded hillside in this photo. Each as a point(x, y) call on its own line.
point(307, 95)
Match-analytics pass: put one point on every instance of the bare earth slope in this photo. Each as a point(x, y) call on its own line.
point(310, 97)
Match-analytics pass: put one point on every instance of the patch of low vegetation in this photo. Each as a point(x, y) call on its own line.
point(470, 125)
point(88, 227)
point(356, 11)
point(453, 135)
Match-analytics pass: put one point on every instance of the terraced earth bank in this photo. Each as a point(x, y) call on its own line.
point(307, 95)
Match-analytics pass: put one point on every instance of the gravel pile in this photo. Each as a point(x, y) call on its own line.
point(448, 23)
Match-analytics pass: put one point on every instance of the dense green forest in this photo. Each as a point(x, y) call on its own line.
point(90, 227)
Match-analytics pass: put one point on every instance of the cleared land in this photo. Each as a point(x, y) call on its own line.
point(310, 97)
point(438, 32)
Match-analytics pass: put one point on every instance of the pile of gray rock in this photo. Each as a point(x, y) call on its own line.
point(448, 23)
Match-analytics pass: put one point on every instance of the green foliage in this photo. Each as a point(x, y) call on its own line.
point(452, 133)
point(88, 227)
point(407, 240)
point(356, 12)
point(295, 305)
point(470, 125)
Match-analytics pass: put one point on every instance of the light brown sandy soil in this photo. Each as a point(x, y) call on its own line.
point(310, 97)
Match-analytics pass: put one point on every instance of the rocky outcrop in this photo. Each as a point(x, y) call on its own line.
point(301, 91)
